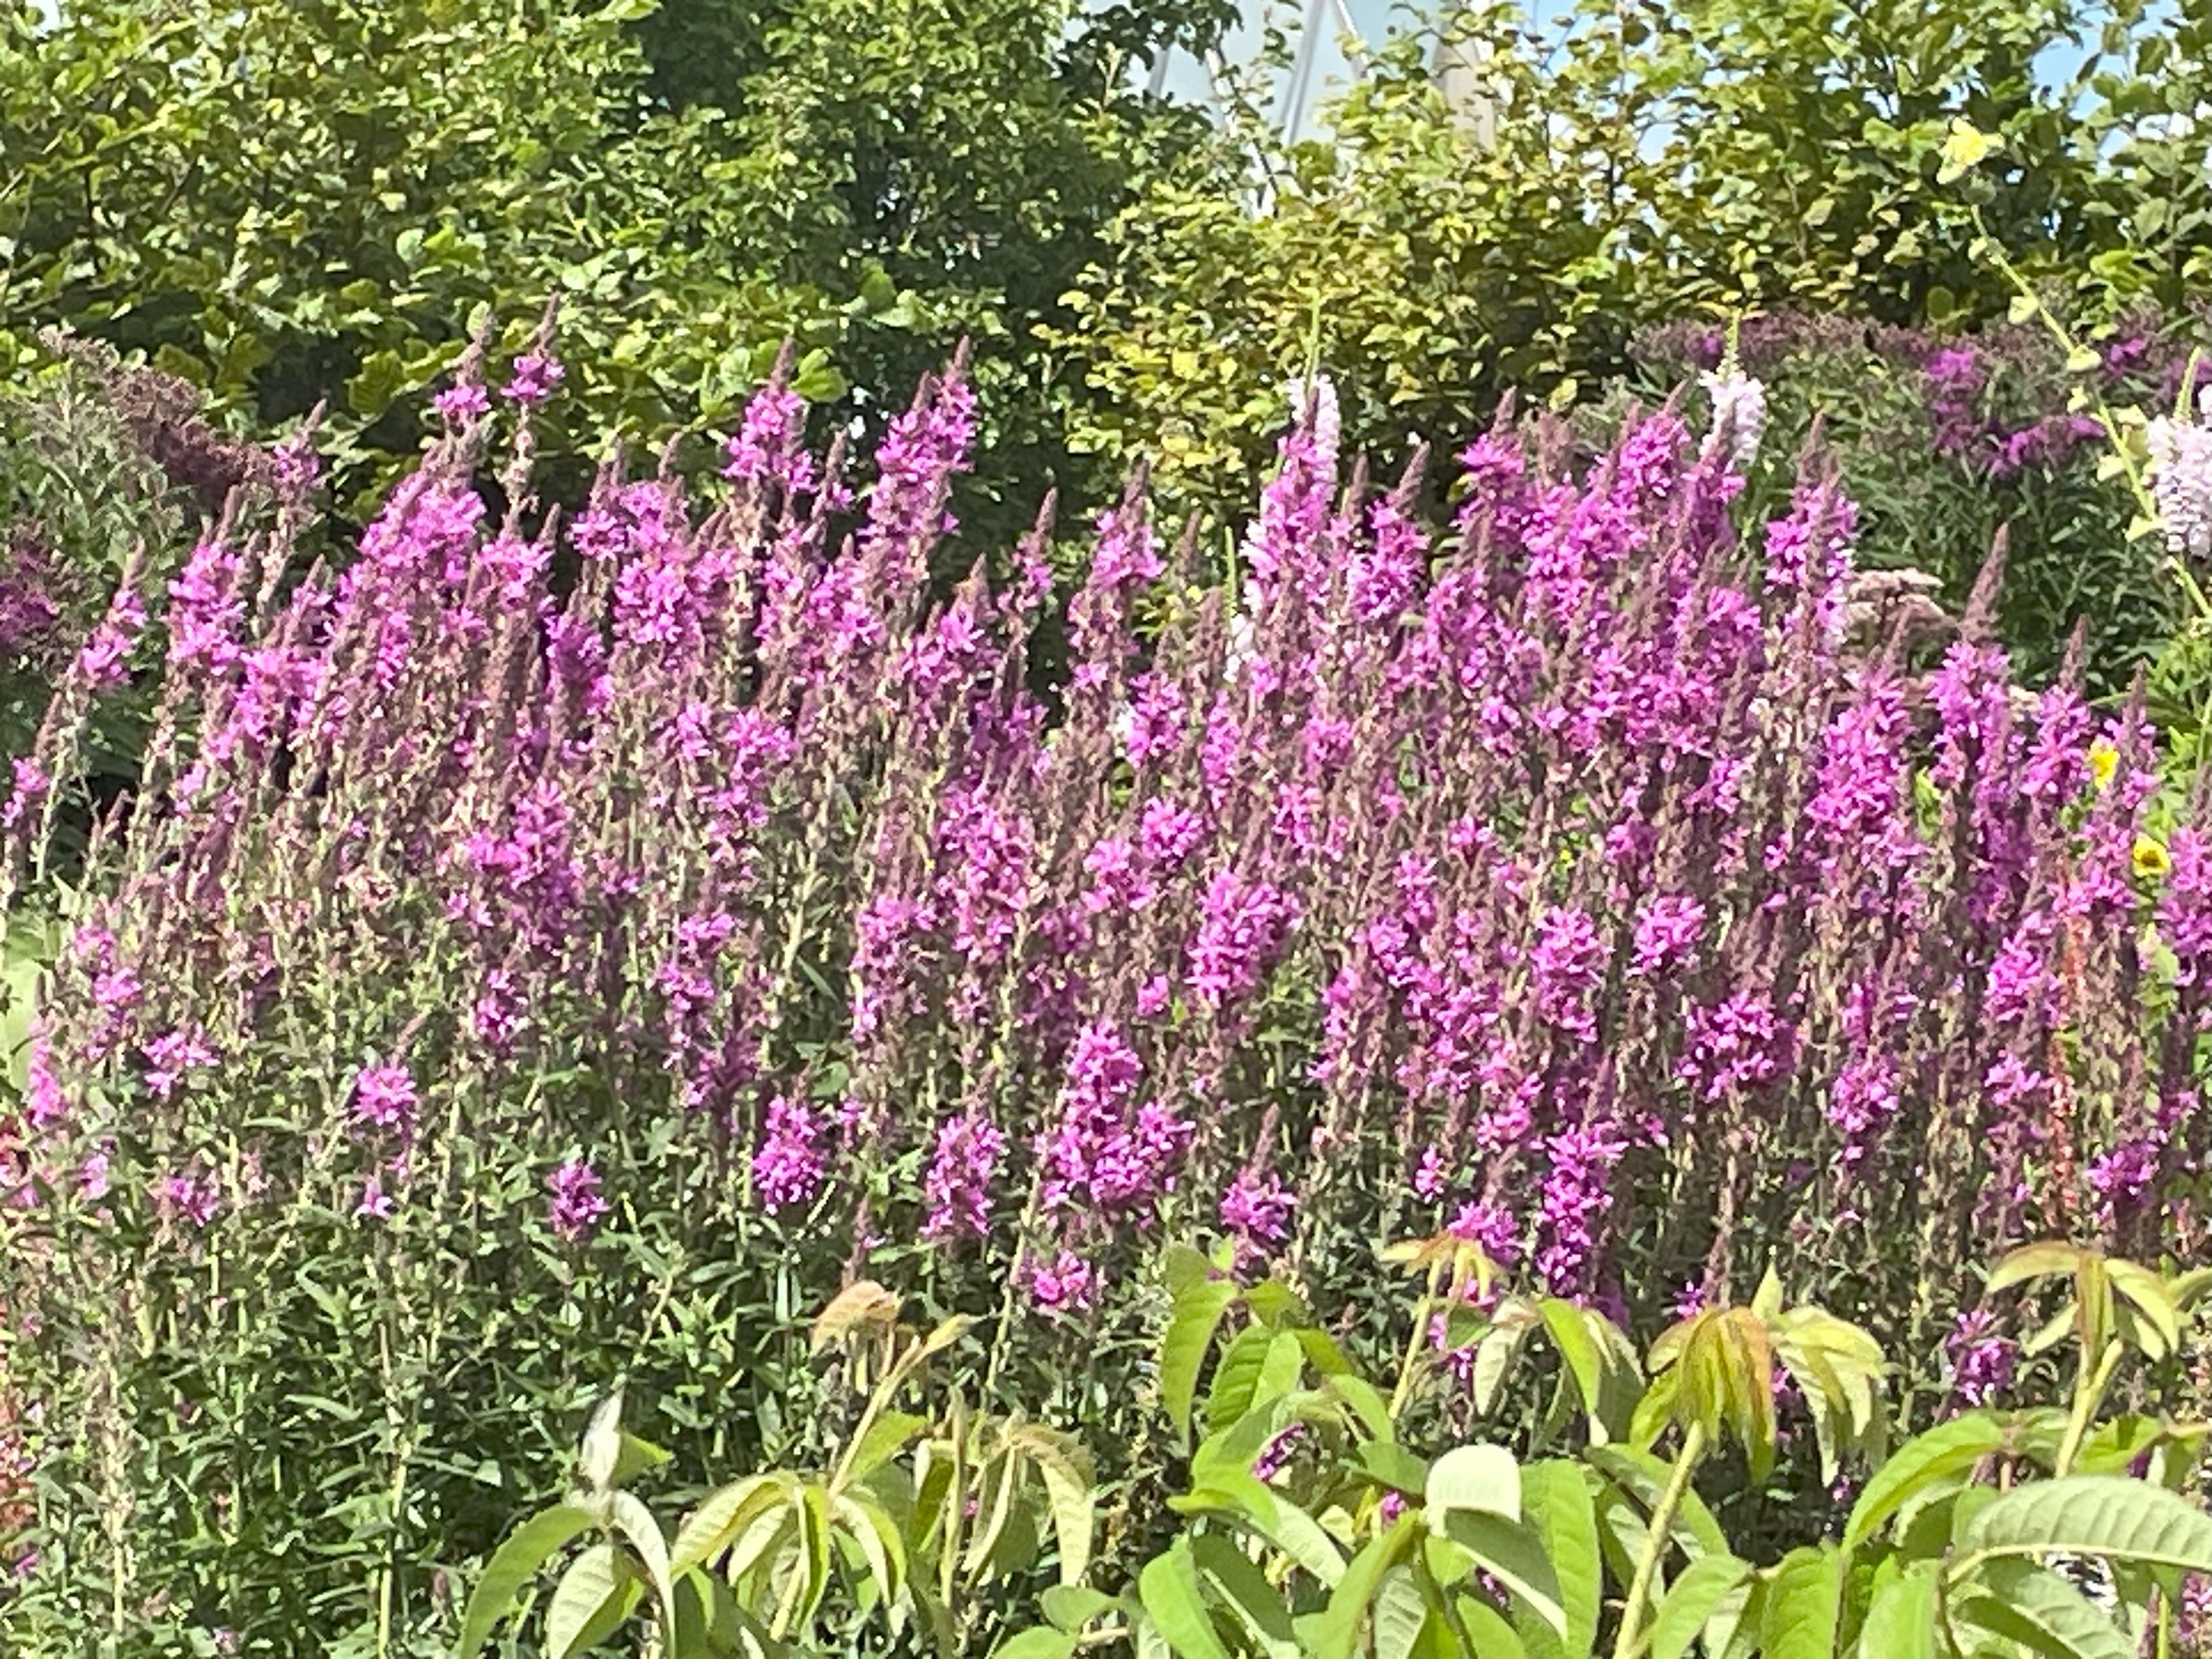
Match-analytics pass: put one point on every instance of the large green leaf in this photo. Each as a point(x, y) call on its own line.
point(1400, 1616)
point(1948, 1450)
point(1175, 1602)
point(1804, 1605)
point(1491, 1637)
point(1194, 1315)
point(1243, 1589)
point(1479, 1477)
point(1555, 1500)
point(1337, 1634)
point(635, 1523)
point(1237, 1377)
point(2094, 1514)
point(2027, 1602)
point(1252, 1504)
point(588, 1600)
point(513, 1565)
point(1691, 1601)
point(1513, 1555)
point(1901, 1619)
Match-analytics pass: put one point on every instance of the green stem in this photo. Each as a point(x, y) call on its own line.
point(1629, 1643)
point(2089, 1394)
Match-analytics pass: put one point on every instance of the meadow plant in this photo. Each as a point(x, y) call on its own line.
point(546, 948)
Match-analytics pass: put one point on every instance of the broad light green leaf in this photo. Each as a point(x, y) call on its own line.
point(1493, 1638)
point(2095, 1514)
point(513, 1565)
point(1900, 1621)
point(1196, 1314)
point(2029, 1602)
point(1948, 1450)
point(1337, 1635)
point(1243, 1589)
point(724, 1513)
point(1692, 1600)
point(1555, 1499)
point(1804, 1605)
point(1071, 1607)
point(2033, 1262)
point(1399, 1616)
point(1511, 1554)
point(636, 1522)
point(1039, 1644)
point(1175, 1603)
point(587, 1593)
point(1481, 1477)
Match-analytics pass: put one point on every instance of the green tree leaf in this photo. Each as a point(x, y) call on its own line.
point(513, 1565)
point(1196, 1314)
point(2094, 1514)
point(1175, 1602)
point(1691, 1601)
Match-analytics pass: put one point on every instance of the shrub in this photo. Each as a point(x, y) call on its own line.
point(549, 948)
point(306, 204)
point(1635, 166)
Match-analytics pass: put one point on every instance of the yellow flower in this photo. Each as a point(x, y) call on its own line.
point(2150, 857)
point(2103, 762)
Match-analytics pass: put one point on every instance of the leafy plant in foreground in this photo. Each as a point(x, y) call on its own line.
point(918, 1515)
point(1313, 1528)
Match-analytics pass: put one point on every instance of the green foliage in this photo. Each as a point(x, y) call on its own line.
point(914, 1514)
point(1315, 1530)
point(287, 204)
point(1635, 165)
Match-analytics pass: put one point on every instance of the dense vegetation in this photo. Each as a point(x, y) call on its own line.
point(1601, 698)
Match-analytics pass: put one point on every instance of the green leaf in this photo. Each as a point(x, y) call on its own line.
point(1401, 1613)
point(1237, 1377)
point(1643, 1477)
point(1274, 1517)
point(636, 1522)
point(1900, 1621)
point(2030, 1603)
point(1948, 1450)
point(2034, 1261)
point(2147, 1292)
point(1804, 1604)
point(1692, 1600)
point(1065, 1471)
point(2095, 1514)
point(886, 1436)
point(513, 1565)
point(1555, 1498)
point(726, 1511)
point(1038, 1643)
point(1175, 1603)
point(1071, 1607)
point(1240, 1586)
point(588, 1592)
point(1512, 1555)
point(1487, 1629)
point(1479, 1477)
point(1563, 1323)
point(1337, 1635)
point(1196, 1314)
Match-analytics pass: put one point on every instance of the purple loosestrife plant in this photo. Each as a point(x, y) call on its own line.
point(1564, 878)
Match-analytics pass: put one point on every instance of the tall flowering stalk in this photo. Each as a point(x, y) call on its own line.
point(713, 873)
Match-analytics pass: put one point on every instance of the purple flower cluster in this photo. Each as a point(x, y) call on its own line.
point(1561, 876)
